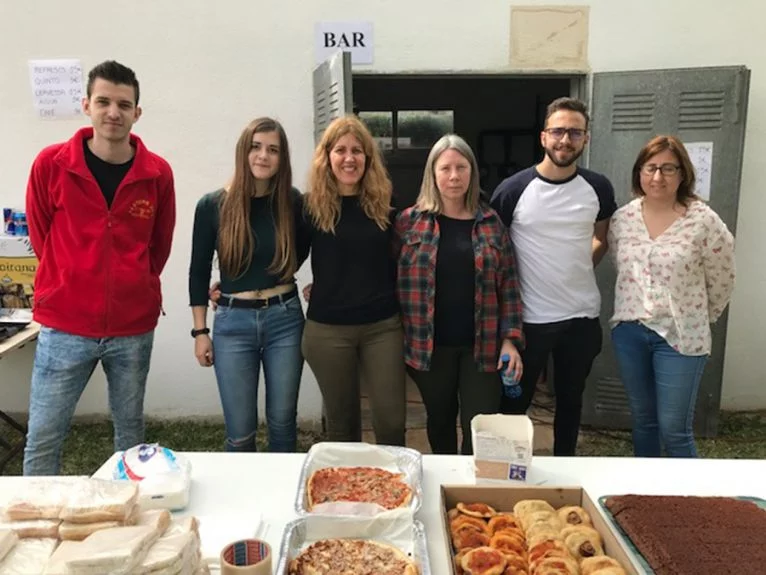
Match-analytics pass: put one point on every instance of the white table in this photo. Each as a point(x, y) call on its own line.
point(18, 340)
point(232, 487)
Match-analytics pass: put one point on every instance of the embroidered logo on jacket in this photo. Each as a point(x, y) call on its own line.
point(143, 209)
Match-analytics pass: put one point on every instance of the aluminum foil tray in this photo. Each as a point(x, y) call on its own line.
point(409, 461)
point(294, 539)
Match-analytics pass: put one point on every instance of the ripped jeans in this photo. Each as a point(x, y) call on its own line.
point(243, 339)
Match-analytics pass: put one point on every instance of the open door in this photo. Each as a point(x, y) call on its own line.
point(628, 109)
point(332, 91)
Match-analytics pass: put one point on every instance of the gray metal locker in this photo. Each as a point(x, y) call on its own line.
point(628, 109)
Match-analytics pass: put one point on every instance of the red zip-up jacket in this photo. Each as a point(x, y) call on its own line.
point(99, 270)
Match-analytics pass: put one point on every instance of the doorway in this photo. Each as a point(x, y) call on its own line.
point(499, 116)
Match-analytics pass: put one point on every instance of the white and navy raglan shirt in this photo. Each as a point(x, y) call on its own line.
point(551, 227)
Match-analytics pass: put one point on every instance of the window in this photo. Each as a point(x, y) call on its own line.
point(422, 128)
point(408, 129)
point(381, 126)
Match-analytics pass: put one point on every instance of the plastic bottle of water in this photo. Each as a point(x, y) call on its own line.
point(511, 387)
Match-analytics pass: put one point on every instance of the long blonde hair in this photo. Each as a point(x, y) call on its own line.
point(236, 242)
point(430, 199)
point(323, 197)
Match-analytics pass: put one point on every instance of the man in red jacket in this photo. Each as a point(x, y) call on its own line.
point(101, 213)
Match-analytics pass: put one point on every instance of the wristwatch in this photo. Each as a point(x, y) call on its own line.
point(203, 331)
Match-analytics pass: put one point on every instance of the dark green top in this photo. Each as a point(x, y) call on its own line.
point(205, 243)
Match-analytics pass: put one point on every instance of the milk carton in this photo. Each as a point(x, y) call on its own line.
point(502, 447)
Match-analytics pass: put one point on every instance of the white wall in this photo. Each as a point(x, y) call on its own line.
point(207, 68)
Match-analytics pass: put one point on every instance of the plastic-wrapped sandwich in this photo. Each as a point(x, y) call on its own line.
point(183, 525)
point(170, 555)
point(155, 546)
point(28, 556)
point(31, 528)
point(8, 539)
point(57, 564)
point(97, 500)
point(159, 519)
point(41, 498)
point(116, 551)
point(69, 531)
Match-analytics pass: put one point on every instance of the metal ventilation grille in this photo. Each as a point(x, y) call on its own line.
point(334, 103)
point(632, 112)
point(701, 110)
point(610, 397)
point(321, 111)
point(327, 106)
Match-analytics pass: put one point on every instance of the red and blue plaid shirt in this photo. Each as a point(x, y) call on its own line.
point(497, 304)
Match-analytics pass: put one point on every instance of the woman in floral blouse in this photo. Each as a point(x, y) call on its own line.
point(675, 275)
point(459, 296)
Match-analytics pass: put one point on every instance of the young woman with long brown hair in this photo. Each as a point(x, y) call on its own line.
point(353, 329)
point(251, 223)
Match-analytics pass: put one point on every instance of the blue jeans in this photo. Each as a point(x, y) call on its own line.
point(242, 339)
point(63, 365)
point(662, 387)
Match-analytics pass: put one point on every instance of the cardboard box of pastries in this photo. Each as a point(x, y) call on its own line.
point(535, 529)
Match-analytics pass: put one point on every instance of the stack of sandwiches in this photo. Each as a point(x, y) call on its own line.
point(85, 526)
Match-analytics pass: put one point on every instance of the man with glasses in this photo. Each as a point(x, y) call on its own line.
point(558, 215)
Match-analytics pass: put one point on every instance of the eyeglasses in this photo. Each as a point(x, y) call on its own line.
point(665, 169)
point(575, 134)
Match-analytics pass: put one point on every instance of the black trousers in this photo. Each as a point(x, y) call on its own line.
point(454, 383)
point(574, 343)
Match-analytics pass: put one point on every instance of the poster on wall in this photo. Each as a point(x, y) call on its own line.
point(56, 88)
point(701, 156)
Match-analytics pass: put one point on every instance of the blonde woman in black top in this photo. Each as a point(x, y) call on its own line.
point(353, 331)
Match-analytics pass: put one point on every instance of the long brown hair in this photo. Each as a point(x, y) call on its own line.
point(236, 242)
point(685, 193)
point(323, 197)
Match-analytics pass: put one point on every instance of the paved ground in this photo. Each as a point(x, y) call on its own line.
point(416, 422)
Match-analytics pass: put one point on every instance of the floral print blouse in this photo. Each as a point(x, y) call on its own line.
point(678, 283)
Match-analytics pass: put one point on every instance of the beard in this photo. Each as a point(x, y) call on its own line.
point(564, 163)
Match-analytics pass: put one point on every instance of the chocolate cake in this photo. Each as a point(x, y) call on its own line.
point(694, 535)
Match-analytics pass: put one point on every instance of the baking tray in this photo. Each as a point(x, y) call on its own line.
point(294, 538)
point(640, 560)
point(408, 461)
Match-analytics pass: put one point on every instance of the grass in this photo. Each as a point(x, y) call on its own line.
point(89, 445)
point(742, 435)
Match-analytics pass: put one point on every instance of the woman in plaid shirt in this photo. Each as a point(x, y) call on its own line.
point(459, 296)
